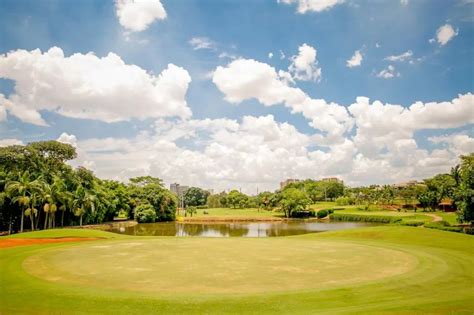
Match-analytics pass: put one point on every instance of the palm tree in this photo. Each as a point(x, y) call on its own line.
point(20, 192)
point(84, 200)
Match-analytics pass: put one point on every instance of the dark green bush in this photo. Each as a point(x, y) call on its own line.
point(330, 211)
point(145, 213)
point(302, 214)
point(412, 223)
point(203, 207)
point(322, 214)
point(364, 218)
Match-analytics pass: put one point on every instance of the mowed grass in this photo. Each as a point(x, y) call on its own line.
point(231, 212)
point(389, 269)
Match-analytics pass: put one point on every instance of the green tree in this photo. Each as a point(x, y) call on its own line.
point(20, 192)
point(293, 199)
point(236, 199)
point(464, 192)
point(190, 210)
point(195, 196)
point(145, 213)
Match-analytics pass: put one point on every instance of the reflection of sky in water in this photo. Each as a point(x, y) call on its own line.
point(255, 229)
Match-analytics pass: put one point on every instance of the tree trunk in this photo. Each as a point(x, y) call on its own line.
point(32, 222)
point(46, 221)
point(22, 219)
point(62, 218)
point(10, 224)
point(38, 220)
point(80, 221)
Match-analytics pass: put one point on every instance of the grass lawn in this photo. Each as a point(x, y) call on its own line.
point(408, 216)
point(450, 217)
point(237, 213)
point(392, 269)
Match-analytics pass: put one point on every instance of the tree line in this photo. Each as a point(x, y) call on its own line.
point(39, 190)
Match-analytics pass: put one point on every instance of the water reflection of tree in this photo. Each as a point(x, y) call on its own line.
point(223, 230)
point(283, 229)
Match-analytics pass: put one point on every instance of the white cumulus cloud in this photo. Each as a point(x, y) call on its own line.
point(87, 86)
point(304, 66)
point(356, 60)
point(137, 15)
point(445, 33)
point(67, 138)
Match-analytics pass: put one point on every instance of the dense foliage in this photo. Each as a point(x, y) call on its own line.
point(145, 213)
point(195, 196)
point(39, 190)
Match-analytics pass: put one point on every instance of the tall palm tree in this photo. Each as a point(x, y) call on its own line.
point(84, 201)
point(20, 192)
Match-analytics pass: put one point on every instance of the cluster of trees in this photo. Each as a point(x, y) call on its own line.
point(457, 187)
point(292, 198)
point(39, 190)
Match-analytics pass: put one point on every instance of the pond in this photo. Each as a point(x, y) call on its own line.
point(253, 229)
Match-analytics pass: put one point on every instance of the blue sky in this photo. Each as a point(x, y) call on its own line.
point(250, 30)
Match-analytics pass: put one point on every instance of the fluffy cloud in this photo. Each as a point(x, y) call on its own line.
point(8, 142)
point(137, 15)
point(87, 86)
point(356, 60)
point(304, 66)
point(259, 151)
point(3, 110)
point(379, 126)
point(202, 43)
point(388, 73)
point(404, 2)
point(445, 33)
point(67, 138)
point(312, 5)
point(457, 143)
point(383, 146)
point(245, 79)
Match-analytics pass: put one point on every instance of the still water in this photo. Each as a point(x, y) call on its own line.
point(234, 229)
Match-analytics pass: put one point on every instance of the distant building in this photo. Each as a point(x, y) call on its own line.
point(178, 189)
point(331, 179)
point(288, 181)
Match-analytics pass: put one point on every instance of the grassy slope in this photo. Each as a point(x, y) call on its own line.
point(442, 283)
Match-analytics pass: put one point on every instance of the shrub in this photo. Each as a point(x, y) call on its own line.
point(203, 207)
point(444, 226)
point(145, 213)
point(412, 223)
point(364, 218)
point(322, 214)
point(331, 211)
point(302, 214)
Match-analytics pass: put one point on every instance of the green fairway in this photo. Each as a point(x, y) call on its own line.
point(235, 213)
point(389, 269)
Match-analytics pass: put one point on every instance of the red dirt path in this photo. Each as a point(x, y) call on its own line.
point(13, 242)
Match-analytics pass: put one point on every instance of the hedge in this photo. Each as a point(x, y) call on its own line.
point(364, 218)
point(444, 226)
